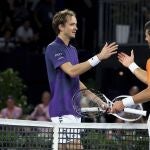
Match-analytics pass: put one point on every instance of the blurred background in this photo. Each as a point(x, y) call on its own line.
point(25, 31)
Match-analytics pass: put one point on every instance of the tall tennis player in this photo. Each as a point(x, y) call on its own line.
point(63, 69)
point(142, 75)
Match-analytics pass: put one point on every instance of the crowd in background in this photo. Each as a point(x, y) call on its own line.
point(24, 23)
point(39, 113)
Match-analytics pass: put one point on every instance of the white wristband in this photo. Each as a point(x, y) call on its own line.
point(94, 61)
point(128, 101)
point(133, 66)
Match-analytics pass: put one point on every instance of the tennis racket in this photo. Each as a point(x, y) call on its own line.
point(92, 103)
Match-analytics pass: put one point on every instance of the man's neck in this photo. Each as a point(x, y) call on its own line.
point(64, 39)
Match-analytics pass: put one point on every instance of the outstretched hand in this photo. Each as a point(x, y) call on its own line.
point(125, 59)
point(108, 50)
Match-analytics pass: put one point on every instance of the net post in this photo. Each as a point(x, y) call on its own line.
point(55, 137)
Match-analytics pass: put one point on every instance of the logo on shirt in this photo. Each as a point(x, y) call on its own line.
point(58, 54)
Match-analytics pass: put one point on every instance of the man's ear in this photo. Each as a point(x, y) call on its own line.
point(61, 26)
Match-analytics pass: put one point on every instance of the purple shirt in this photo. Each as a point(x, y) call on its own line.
point(62, 85)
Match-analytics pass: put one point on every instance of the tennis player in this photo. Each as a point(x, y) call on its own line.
point(142, 75)
point(63, 70)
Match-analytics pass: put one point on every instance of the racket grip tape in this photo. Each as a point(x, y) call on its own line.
point(135, 111)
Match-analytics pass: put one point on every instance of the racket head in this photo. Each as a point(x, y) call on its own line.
point(129, 117)
point(85, 103)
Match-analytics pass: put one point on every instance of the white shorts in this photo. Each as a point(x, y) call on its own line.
point(67, 135)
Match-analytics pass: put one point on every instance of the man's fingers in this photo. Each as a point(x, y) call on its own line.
point(112, 53)
point(122, 54)
point(113, 48)
point(112, 44)
point(132, 53)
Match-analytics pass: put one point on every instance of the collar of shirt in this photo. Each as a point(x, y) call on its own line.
point(60, 41)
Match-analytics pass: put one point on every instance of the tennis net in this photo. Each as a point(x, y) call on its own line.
point(41, 135)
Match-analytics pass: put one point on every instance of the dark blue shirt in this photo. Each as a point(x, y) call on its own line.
point(62, 85)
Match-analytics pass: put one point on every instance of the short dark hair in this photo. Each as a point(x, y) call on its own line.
point(10, 97)
point(61, 18)
point(147, 27)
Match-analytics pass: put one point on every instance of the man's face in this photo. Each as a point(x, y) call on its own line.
point(10, 103)
point(46, 98)
point(147, 37)
point(70, 27)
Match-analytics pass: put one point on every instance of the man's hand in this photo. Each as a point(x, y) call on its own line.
point(107, 51)
point(125, 59)
point(117, 107)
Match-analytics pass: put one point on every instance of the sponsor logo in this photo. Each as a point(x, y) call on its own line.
point(60, 58)
point(58, 54)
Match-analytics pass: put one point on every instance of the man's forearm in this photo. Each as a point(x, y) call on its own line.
point(141, 75)
point(82, 86)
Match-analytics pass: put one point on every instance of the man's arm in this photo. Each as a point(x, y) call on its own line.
point(141, 75)
point(82, 85)
point(128, 62)
point(75, 70)
point(78, 69)
point(143, 96)
point(93, 97)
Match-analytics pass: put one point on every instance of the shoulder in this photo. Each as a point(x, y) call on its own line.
point(4, 110)
point(71, 46)
point(18, 108)
point(148, 65)
point(54, 45)
point(53, 48)
point(148, 60)
point(40, 105)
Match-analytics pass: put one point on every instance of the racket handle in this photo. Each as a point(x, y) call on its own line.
point(92, 109)
point(135, 111)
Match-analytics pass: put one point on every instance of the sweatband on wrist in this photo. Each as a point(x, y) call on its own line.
point(128, 101)
point(133, 66)
point(94, 61)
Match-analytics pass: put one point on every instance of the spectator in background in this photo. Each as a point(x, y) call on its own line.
point(40, 112)
point(7, 25)
point(134, 90)
point(19, 13)
point(146, 10)
point(7, 42)
point(25, 37)
point(11, 111)
point(11, 4)
point(32, 4)
point(24, 33)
